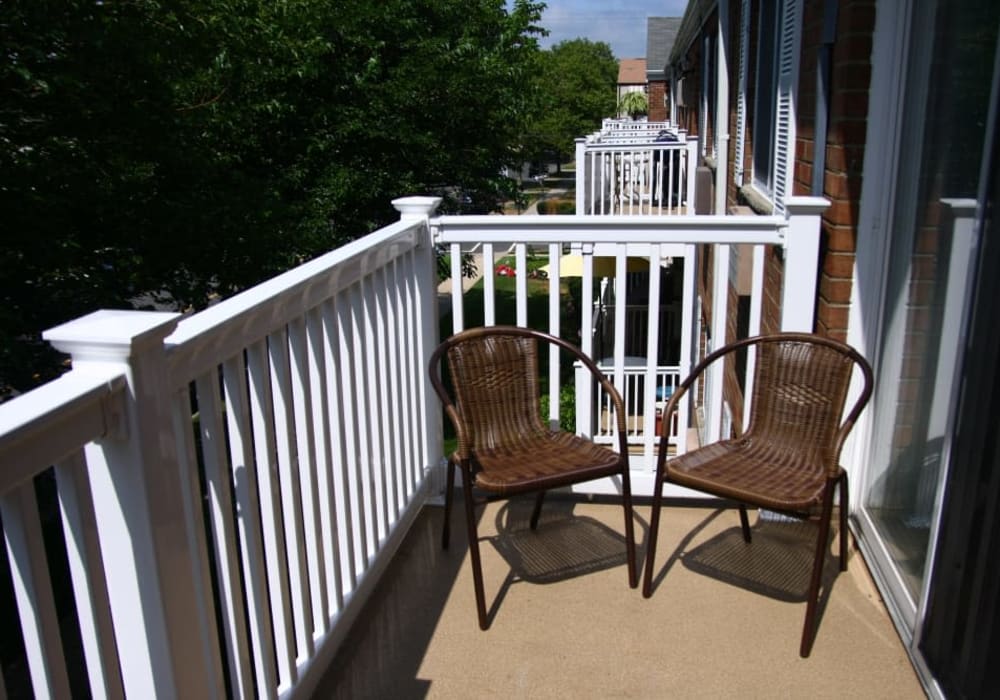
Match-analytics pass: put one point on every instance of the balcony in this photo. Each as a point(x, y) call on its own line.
point(243, 495)
point(636, 168)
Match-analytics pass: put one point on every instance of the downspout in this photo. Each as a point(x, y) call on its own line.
point(722, 111)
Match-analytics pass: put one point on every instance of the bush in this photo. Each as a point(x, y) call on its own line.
point(567, 407)
point(557, 206)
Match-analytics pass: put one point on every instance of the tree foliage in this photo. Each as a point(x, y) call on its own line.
point(169, 152)
point(576, 90)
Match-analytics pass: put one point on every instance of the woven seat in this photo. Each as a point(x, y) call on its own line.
point(504, 447)
point(787, 460)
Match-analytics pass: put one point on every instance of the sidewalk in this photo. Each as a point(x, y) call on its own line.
point(445, 287)
point(553, 193)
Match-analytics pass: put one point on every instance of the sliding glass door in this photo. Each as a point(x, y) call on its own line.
point(928, 277)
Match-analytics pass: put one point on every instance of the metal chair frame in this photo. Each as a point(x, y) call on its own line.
point(552, 475)
point(710, 475)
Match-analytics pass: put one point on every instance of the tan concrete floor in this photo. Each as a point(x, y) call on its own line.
point(724, 620)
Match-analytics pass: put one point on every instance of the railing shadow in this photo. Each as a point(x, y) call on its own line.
point(382, 654)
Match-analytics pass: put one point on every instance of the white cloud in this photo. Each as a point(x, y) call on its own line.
point(620, 23)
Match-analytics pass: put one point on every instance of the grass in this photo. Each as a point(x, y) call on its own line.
point(505, 313)
point(505, 302)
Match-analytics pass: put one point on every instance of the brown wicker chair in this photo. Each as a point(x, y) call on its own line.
point(504, 447)
point(787, 460)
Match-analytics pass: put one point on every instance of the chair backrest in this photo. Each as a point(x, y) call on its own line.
point(800, 388)
point(494, 374)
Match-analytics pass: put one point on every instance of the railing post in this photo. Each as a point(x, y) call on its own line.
point(798, 294)
point(584, 405)
point(154, 575)
point(692, 170)
point(715, 375)
point(421, 209)
point(581, 176)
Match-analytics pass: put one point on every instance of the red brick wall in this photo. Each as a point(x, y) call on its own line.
point(847, 125)
point(655, 91)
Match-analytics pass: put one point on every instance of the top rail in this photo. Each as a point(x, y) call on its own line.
point(573, 228)
point(43, 426)
point(222, 330)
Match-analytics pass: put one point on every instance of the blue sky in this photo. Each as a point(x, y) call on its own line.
point(620, 23)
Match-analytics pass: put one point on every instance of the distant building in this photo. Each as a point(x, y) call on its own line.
point(631, 77)
point(660, 35)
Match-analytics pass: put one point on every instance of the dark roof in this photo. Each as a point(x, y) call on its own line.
point(660, 35)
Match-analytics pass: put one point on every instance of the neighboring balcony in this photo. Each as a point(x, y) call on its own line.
point(231, 486)
point(636, 168)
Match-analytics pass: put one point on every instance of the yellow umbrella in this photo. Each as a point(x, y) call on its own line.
point(572, 266)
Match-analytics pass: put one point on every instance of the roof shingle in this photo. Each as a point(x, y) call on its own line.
point(632, 71)
point(660, 35)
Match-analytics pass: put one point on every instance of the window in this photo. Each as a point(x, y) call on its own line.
point(778, 32)
point(741, 95)
point(707, 127)
point(765, 95)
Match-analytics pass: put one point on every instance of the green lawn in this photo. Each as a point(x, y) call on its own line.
point(538, 318)
point(505, 303)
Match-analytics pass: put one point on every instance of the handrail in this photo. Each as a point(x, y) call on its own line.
point(573, 228)
point(259, 310)
point(43, 426)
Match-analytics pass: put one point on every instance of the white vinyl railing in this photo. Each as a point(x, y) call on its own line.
point(636, 322)
point(635, 177)
point(622, 238)
point(231, 484)
point(611, 126)
point(633, 394)
point(638, 137)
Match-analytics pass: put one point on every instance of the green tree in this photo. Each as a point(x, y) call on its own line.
point(575, 91)
point(166, 153)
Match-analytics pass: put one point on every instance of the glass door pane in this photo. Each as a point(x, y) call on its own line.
point(929, 270)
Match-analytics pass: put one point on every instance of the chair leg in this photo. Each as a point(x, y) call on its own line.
point(449, 487)
point(539, 498)
point(809, 627)
point(843, 521)
point(633, 574)
point(654, 526)
point(477, 567)
point(745, 523)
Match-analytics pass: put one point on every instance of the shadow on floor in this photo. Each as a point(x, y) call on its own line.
point(382, 653)
point(404, 610)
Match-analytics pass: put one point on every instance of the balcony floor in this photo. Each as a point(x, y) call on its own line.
point(720, 621)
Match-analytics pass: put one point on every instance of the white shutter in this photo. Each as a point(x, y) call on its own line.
point(741, 97)
point(703, 117)
point(788, 78)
